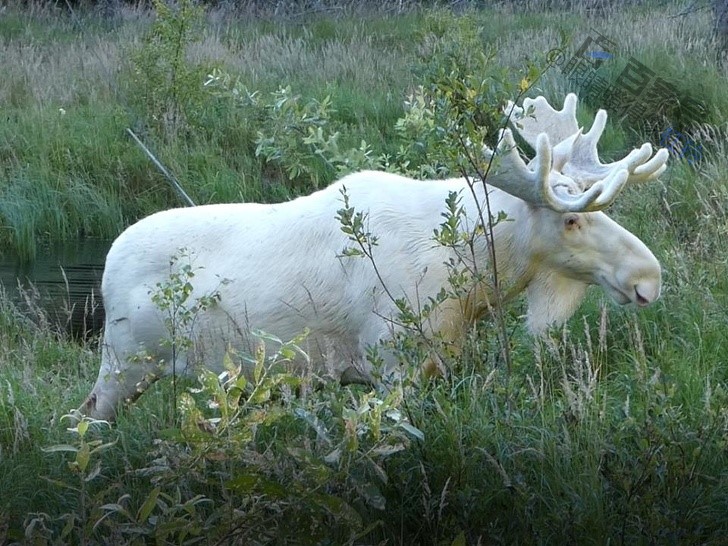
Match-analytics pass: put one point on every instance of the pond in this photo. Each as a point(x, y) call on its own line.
point(62, 286)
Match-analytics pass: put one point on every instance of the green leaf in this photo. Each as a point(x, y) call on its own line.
point(102, 447)
point(460, 540)
point(412, 430)
point(372, 496)
point(68, 528)
point(148, 506)
point(260, 395)
point(83, 455)
point(287, 353)
point(60, 447)
point(94, 472)
point(249, 483)
point(116, 508)
point(339, 507)
point(82, 427)
point(386, 450)
point(315, 423)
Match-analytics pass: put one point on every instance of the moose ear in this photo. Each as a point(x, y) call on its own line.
point(572, 222)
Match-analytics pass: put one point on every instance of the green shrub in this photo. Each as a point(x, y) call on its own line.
point(167, 86)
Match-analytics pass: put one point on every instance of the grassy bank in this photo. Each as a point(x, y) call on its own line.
point(73, 86)
point(613, 431)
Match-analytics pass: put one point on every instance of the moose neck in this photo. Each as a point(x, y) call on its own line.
point(552, 297)
point(514, 266)
point(511, 236)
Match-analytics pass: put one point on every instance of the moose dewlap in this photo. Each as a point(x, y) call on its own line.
point(278, 268)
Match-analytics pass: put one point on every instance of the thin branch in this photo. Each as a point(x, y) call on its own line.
point(690, 9)
point(488, 228)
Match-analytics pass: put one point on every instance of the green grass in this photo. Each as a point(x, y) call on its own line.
point(613, 431)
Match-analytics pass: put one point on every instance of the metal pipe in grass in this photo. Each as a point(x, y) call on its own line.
point(172, 180)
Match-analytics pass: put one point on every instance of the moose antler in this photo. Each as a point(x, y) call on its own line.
point(568, 176)
point(579, 159)
point(537, 183)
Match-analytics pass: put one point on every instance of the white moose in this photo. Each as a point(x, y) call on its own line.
point(278, 268)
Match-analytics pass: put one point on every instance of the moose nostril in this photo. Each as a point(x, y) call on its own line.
point(641, 300)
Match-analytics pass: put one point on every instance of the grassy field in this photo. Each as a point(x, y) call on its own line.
point(612, 431)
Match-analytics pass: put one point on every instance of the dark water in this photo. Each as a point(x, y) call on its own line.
point(63, 284)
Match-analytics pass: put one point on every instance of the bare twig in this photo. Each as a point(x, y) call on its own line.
point(692, 8)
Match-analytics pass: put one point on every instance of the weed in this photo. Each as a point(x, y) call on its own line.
point(172, 298)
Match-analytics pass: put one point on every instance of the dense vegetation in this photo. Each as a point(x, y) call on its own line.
point(613, 430)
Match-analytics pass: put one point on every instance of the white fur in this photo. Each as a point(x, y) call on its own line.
point(276, 269)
